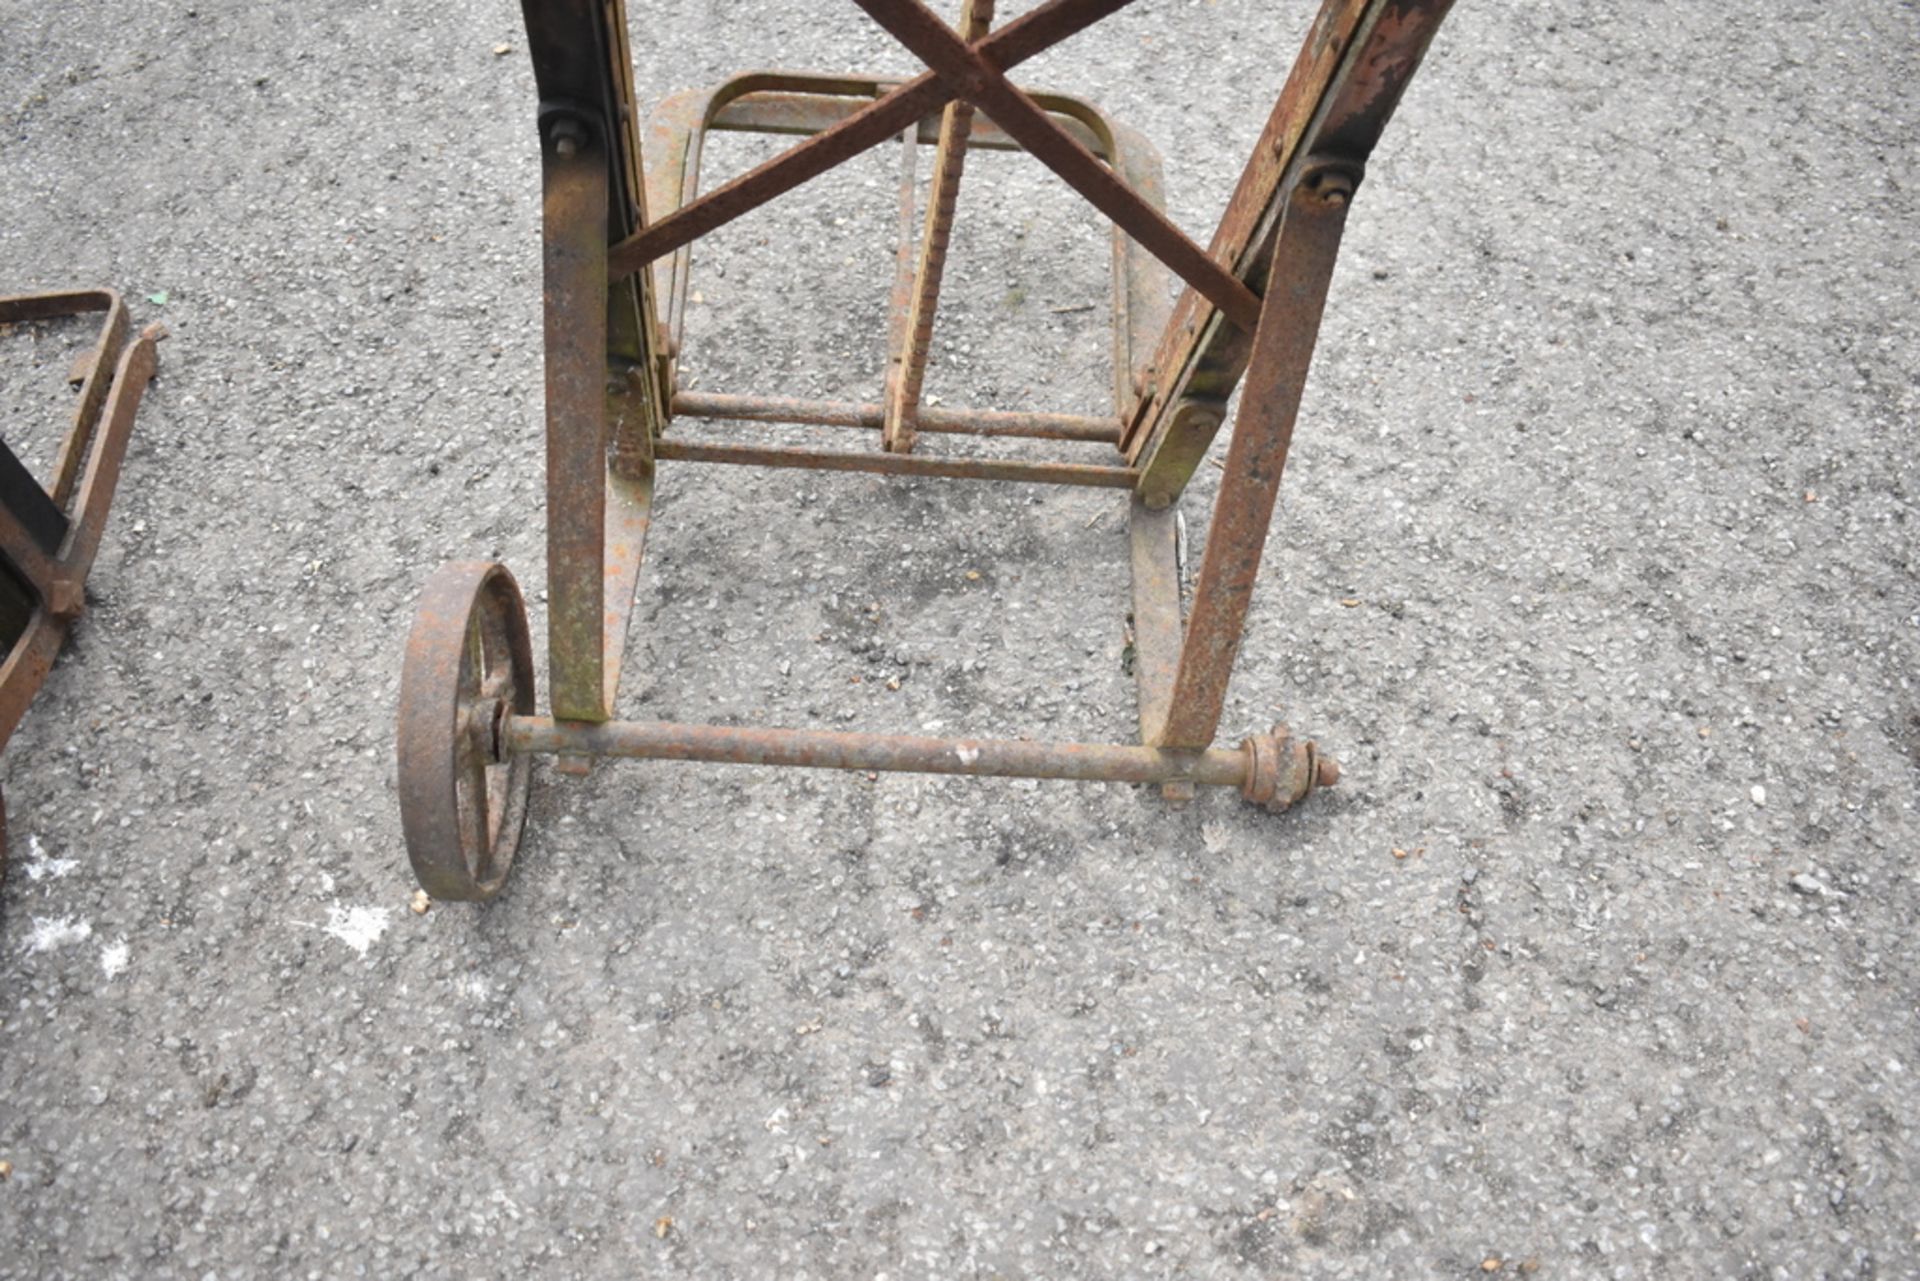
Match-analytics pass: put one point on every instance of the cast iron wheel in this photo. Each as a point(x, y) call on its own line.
point(469, 662)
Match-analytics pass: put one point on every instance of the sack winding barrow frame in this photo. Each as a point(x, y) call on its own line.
point(616, 239)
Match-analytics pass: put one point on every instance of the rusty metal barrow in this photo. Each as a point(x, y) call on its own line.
point(616, 261)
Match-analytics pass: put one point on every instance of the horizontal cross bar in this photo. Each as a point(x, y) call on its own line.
point(901, 464)
point(847, 413)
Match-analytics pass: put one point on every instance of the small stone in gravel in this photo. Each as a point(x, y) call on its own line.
point(1810, 885)
point(419, 903)
point(1759, 794)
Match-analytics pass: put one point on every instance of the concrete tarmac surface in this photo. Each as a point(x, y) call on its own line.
point(1594, 565)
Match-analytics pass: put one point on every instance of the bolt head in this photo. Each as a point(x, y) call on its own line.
point(66, 598)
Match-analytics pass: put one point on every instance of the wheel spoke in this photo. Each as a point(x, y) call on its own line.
point(477, 813)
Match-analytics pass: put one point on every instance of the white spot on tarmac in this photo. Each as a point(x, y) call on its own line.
point(358, 927)
point(50, 932)
point(113, 959)
point(40, 867)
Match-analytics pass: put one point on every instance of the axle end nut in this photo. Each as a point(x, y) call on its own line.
point(1282, 772)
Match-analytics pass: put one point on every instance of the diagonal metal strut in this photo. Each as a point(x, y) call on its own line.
point(1032, 34)
point(971, 75)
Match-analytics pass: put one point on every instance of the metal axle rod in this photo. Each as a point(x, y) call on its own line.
point(826, 749)
point(1270, 769)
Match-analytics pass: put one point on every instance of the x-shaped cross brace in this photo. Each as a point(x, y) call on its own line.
point(976, 73)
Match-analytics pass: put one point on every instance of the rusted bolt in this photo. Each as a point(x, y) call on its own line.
point(1333, 181)
point(1197, 417)
point(567, 137)
point(1282, 772)
point(66, 598)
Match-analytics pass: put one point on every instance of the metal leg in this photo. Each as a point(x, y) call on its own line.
point(900, 301)
point(950, 158)
point(1283, 344)
point(1156, 612)
point(575, 172)
point(1154, 538)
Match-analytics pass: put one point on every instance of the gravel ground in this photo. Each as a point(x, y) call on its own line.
point(1595, 566)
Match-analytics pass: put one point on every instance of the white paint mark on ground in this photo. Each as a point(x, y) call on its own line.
point(113, 959)
point(49, 932)
point(358, 927)
point(39, 866)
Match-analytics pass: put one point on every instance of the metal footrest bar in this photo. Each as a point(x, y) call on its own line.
point(844, 413)
point(1084, 474)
